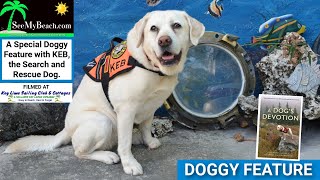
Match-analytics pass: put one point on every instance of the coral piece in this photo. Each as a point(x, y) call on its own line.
point(276, 73)
point(273, 70)
point(312, 108)
point(306, 76)
point(248, 103)
point(276, 68)
point(161, 126)
point(249, 107)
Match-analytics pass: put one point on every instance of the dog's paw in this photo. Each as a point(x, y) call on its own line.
point(132, 167)
point(111, 158)
point(154, 143)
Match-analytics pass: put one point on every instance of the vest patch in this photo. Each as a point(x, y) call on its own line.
point(119, 50)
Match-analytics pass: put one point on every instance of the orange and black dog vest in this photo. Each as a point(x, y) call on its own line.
point(111, 63)
point(284, 130)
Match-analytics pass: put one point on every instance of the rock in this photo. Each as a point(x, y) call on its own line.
point(161, 126)
point(18, 120)
point(244, 123)
point(238, 137)
point(287, 144)
point(286, 147)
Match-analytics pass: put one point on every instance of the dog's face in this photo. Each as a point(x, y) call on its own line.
point(279, 127)
point(165, 37)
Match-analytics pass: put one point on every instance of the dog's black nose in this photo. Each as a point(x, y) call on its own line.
point(164, 41)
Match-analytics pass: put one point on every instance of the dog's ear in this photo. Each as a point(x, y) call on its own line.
point(196, 29)
point(139, 28)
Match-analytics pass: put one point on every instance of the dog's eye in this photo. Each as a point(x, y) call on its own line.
point(154, 28)
point(176, 26)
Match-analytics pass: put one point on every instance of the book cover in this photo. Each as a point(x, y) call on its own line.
point(279, 127)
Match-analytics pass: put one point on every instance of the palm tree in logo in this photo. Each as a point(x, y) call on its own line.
point(13, 6)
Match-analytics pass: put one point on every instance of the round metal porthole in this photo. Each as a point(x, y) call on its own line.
point(215, 75)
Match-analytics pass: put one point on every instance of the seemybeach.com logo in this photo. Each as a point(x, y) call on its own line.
point(39, 25)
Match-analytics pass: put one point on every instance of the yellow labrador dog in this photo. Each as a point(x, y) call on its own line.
point(160, 42)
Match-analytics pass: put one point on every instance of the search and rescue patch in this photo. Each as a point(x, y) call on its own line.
point(119, 50)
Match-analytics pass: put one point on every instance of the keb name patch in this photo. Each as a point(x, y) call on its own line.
point(110, 63)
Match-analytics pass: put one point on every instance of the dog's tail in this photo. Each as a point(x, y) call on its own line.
point(39, 143)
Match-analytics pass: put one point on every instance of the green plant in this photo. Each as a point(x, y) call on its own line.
point(13, 6)
point(292, 48)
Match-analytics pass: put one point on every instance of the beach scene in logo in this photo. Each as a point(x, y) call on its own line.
point(12, 7)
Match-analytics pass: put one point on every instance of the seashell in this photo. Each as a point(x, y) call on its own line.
point(295, 78)
point(305, 78)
